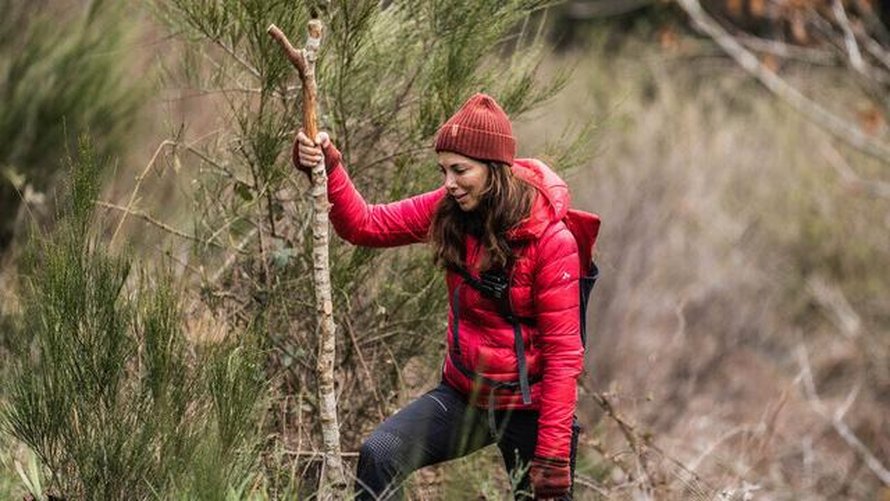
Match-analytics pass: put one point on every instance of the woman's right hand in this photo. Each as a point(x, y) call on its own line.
point(307, 154)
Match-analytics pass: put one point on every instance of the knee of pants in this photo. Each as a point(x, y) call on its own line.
point(382, 450)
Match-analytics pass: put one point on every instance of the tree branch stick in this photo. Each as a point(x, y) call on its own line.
point(333, 482)
point(814, 112)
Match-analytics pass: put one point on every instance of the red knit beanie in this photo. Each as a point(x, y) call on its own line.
point(480, 129)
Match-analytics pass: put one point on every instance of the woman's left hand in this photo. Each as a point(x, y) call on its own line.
point(551, 477)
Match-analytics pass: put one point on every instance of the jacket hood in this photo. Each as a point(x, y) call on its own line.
point(551, 203)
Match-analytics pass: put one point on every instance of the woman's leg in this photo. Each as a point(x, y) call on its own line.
point(436, 427)
point(517, 445)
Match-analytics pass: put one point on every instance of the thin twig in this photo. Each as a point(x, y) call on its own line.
point(387, 158)
point(139, 178)
point(231, 52)
point(364, 364)
point(787, 51)
point(640, 444)
point(590, 484)
point(147, 218)
point(239, 249)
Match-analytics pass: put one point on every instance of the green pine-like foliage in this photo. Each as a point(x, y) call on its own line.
point(104, 387)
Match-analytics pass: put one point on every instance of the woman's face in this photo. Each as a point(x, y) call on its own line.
point(464, 179)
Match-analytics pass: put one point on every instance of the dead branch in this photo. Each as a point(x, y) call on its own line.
point(163, 226)
point(830, 297)
point(837, 418)
point(877, 51)
point(590, 484)
point(850, 43)
point(828, 121)
point(361, 358)
point(139, 179)
point(641, 445)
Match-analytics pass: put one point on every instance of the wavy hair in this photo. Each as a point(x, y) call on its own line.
point(505, 201)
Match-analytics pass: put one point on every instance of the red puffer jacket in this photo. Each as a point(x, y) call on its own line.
point(544, 287)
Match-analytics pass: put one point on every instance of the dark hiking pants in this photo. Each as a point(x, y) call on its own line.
point(440, 426)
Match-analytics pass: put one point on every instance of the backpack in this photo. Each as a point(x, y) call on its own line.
point(495, 286)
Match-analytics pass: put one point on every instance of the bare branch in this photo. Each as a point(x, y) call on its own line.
point(836, 419)
point(294, 55)
point(591, 484)
point(787, 51)
point(317, 455)
point(231, 52)
point(169, 229)
point(852, 47)
point(832, 299)
point(135, 191)
point(640, 445)
point(820, 116)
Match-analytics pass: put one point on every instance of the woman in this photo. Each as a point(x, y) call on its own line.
point(514, 350)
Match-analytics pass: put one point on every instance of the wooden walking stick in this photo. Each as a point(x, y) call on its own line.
point(333, 479)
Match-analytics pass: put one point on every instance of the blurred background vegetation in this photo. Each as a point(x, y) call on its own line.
point(739, 345)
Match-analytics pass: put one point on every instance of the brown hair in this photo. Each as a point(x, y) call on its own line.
point(505, 202)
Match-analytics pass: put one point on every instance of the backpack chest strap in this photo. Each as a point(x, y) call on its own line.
point(518, 346)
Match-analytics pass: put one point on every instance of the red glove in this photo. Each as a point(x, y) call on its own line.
point(550, 477)
point(306, 154)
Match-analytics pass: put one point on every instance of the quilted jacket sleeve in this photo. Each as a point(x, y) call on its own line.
point(377, 225)
point(558, 318)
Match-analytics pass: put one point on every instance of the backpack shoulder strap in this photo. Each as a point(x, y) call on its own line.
point(496, 288)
